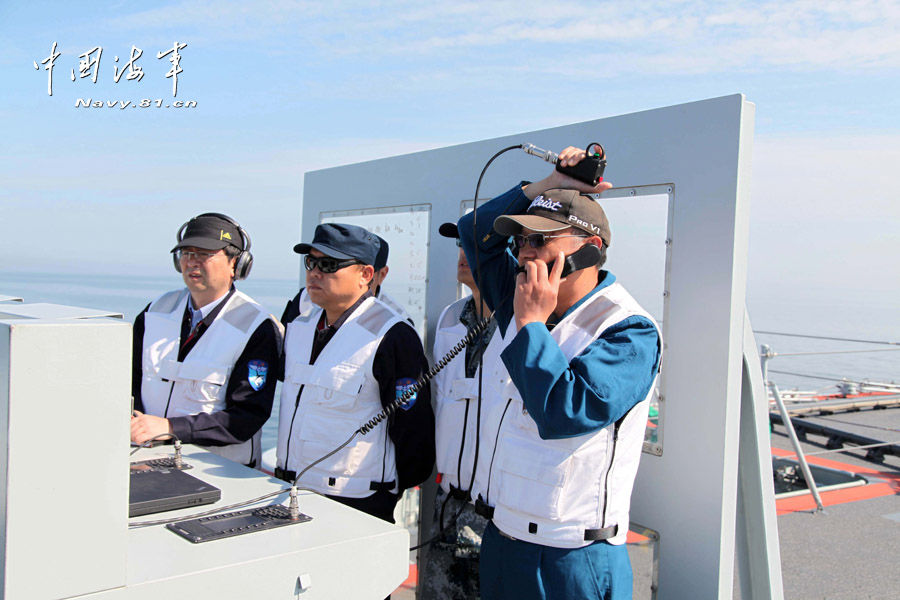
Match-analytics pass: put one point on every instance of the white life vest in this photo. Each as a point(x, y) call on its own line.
point(324, 403)
point(456, 405)
point(174, 389)
point(561, 492)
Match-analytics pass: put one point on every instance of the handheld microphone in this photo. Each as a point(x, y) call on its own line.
point(589, 170)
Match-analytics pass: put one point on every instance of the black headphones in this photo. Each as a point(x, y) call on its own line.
point(244, 261)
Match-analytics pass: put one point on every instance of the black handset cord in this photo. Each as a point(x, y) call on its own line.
point(467, 491)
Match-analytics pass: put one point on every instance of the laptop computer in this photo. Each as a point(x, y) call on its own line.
point(155, 489)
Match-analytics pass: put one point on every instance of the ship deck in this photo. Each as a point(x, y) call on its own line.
point(849, 549)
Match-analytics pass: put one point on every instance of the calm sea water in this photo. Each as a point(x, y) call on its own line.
point(851, 314)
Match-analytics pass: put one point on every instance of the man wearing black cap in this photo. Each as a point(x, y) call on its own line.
point(465, 432)
point(301, 301)
point(203, 356)
point(583, 358)
point(346, 357)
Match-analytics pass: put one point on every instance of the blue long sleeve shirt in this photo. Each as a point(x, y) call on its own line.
point(565, 398)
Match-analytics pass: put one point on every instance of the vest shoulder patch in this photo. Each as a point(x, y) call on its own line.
point(375, 319)
point(169, 301)
point(450, 316)
point(241, 314)
point(600, 310)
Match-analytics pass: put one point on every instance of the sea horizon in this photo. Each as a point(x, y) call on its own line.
point(809, 312)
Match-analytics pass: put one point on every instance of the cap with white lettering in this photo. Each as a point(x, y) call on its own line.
point(558, 209)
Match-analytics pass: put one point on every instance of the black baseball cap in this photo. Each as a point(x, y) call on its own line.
point(382, 257)
point(449, 230)
point(339, 240)
point(209, 232)
point(558, 209)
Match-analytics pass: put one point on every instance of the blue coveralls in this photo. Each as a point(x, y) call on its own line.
point(565, 399)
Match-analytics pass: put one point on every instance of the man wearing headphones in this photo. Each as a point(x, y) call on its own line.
point(204, 356)
point(347, 357)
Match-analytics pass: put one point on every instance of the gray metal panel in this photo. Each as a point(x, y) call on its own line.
point(68, 381)
point(759, 562)
point(64, 416)
point(44, 310)
point(347, 554)
point(689, 493)
point(4, 449)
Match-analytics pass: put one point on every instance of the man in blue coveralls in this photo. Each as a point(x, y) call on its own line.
point(583, 358)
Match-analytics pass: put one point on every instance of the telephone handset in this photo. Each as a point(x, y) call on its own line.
point(586, 256)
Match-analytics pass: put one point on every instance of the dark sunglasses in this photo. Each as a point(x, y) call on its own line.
point(327, 264)
point(536, 240)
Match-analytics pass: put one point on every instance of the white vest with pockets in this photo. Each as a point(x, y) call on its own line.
point(456, 405)
point(552, 492)
point(324, 403)
point(174, 389)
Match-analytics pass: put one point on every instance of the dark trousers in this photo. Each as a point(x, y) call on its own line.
point(517, 570)
point(380, 504)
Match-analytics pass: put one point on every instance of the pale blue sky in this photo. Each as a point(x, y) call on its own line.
point(287, 87)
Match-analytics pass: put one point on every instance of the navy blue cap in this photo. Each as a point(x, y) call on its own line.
point(338, 240)
point(382, 257)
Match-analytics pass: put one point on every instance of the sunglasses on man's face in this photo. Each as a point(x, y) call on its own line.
point(327, 264)
point(536, 240)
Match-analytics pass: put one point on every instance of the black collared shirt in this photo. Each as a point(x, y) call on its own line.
point(324, 332)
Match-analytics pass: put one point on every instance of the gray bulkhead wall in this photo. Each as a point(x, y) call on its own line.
point(702, 150)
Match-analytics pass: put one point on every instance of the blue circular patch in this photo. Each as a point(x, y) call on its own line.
point(402, 386)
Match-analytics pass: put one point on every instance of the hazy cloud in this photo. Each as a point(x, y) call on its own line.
point(670, 36)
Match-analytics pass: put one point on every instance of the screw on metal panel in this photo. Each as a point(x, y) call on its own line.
point(669, 189)
point(668, 241)
point(632, 192)
point(665, 293)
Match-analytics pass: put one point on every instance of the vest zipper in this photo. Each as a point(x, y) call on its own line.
point(612, 459)
point(168, 401)
point(462, 446)
point(287, 450)
point(487, 491)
